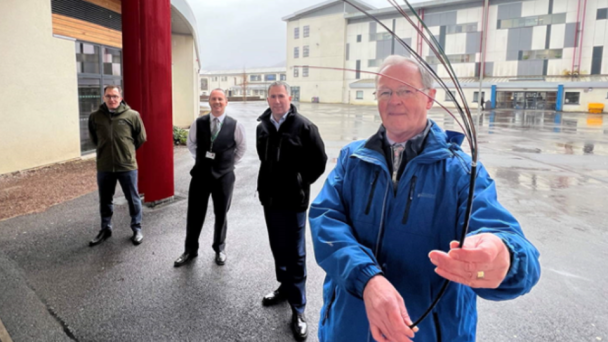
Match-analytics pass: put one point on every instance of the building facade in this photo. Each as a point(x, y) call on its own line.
point(57, 57)
point(246, 82)
point(532, 54)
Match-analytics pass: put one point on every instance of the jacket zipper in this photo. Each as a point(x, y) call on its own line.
point(279, 148)
point(410, 198)
point(329, 305)
point(381, 228)
point(371, 194)
point(112, 142)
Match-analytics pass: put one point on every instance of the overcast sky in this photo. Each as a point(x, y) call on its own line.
point(234, 34)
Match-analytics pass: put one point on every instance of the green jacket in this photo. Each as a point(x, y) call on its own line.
point(117, 135)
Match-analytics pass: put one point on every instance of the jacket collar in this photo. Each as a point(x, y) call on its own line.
point(266, 115)
point(122, 107)
point(436, 146)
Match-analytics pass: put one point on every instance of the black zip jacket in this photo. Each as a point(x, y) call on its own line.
point(291, 158)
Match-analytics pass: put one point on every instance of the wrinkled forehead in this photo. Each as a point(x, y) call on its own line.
point(399, 75)
point(277, 91)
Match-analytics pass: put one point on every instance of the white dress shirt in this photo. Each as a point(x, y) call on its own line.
point(239, 138)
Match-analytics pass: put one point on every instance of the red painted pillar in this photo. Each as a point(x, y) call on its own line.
point(146, 38)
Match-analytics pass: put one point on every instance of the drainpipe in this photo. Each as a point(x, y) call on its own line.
point(482, 59)
point(576, 33)
point(580, 49)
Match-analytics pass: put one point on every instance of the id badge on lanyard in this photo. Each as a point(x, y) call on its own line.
point(209, 154)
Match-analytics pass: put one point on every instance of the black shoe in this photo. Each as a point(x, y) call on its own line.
point(220, 258)
point(137, 238)
point(184, 258)
point(299, 326)
point(101, 237)
point(274, 297)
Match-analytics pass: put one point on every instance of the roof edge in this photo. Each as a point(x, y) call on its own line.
point(325, 4)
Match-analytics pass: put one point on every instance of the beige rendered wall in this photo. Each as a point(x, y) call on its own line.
point(185, 81)
point(327, 49)
point(39, 102)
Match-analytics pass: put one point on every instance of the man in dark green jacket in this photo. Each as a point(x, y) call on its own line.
point(117, 131)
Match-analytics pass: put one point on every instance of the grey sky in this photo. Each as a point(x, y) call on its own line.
point(246, 33)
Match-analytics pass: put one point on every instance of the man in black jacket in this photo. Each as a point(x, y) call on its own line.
point(292, 157)
point(216, 142)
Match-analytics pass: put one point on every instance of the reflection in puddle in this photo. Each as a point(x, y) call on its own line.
point(535, 181)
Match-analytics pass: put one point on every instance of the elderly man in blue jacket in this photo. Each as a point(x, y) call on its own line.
point(388, 212)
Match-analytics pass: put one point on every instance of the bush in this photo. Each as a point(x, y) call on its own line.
point(179, 136)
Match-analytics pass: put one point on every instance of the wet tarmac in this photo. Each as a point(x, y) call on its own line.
point(551, 171)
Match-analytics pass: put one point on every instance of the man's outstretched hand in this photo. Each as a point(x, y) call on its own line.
point(482, 262)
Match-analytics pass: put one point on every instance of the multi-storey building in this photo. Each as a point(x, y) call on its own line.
point(531, 54)
point(59, 55)
point(249, 82)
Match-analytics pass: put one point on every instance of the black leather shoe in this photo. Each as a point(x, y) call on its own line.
point(299, 326)
point(184, 258)
point(137, 238)
point(220, 258)
point(101, 237)
point(274, 297)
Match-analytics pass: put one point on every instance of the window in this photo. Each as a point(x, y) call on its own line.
point(214, 78)
point(373, 63)
point(476, 96)
point(359, 94)
point(283, 77)
point(296, 33)
point(305, 51)
point(255, 78)
point(602, 13)
point(471, 27)
point(204, 84)
point(296, 52)
point(306, 31)
point(380, 36)
point(358, 38)
point(305, 71)
point(466, 58)
point(347, 51)
point(295, 72)
point(224, 78)
point(270, 77)
point(537, 20)
point(358, 70)
point(448, 97)
point(541, 54)
point(572, 98)
point(87, 58)
point(112, 62)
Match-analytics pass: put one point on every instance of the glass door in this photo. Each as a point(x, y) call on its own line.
point(295, 94)
point(89, 99)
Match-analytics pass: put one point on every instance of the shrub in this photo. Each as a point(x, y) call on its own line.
point(179, 136)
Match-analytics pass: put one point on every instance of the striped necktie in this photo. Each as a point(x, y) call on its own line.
point(397, 156)
point(215, 126)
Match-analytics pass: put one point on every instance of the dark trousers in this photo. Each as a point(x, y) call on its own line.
point(198, 199)
point(106, 182)
point(286, 232)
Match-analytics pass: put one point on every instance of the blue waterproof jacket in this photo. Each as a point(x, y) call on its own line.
point(361, 227)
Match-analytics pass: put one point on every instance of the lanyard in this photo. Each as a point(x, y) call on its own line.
point(213, 137)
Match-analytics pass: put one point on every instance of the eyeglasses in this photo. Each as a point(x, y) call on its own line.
point(112, 97)
point(402, 93)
